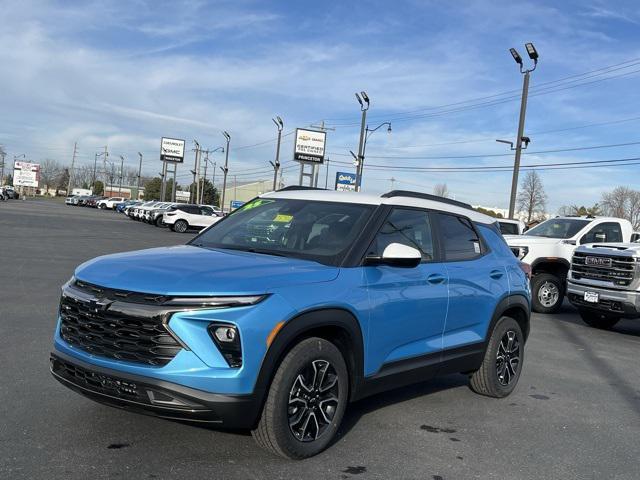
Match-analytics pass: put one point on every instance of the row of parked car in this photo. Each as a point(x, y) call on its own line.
point(179, 217)
point(8, 192)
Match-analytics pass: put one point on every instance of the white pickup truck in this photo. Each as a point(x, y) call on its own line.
point(549, 247)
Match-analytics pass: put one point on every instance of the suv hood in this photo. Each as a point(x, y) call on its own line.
point(188, 270)
point(525, 240)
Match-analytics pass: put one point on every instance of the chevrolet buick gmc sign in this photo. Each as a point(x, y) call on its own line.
point(171, 150)
point(309, 146)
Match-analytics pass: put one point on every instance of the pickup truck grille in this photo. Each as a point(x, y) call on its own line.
point(618, 270)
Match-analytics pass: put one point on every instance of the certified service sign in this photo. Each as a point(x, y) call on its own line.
point(171, 150)
point(309, 146)
point(26, 174)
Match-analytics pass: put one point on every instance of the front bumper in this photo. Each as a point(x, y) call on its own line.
point(625, 303)
point(155, 397)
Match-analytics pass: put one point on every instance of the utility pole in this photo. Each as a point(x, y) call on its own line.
point(121, 175)
point(192, 194)
point(326, 178)
point(204, 180)
point(139, 175)
point(533, 55)
point(3, 154)
point(276, 166)
point(93, 177)
point(225, 169)
point(73, 162)
point(362, 100)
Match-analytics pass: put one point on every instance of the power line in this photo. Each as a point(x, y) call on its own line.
point(492, 155)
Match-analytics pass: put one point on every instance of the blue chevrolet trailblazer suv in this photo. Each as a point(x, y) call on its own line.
point(298, 303)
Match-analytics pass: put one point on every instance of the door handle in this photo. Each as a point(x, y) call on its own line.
point(496, 274)
point(436, 279)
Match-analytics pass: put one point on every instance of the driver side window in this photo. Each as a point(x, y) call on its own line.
point(408, 227)
point(605, 232)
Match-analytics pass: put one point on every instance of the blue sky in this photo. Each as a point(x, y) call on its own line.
point(126, 73)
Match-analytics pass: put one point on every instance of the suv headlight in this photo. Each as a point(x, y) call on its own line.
point(520, 252)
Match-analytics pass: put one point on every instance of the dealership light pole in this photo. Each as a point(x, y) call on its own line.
point(363, 100)
point(225, 169)
point(139, 175)
point(276, 165)
point(73, 161)
point(3, 154)
point(193, 196)
point(121, 175)
point(533, 55)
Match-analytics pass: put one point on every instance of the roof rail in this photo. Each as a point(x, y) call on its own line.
point(426, 196)
point(298, 187)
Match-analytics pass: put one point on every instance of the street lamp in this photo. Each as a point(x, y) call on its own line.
point(225, 169)
point(276, 166)
point(363, 100)
point(368, 133)
point(533, 55)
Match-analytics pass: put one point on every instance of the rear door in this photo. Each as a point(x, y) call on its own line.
point(477, 281)
point(408, 306)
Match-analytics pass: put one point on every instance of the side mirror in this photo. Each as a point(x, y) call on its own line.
point(397, 255)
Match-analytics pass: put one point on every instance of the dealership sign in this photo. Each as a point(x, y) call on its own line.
point(26, 174)
point(345, 182)
point(172, 150)
point(309, 146)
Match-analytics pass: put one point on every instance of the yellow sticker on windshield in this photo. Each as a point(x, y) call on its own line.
point(283, 218)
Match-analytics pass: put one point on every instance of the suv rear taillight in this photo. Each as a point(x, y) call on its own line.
point(526, 268)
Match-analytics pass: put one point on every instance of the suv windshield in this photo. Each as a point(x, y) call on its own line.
point(318, 231)
point(559, 228)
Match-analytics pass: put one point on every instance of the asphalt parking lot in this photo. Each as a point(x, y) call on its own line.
point(575, 413)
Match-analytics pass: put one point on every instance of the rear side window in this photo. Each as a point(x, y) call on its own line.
point(508, 228)
point(460, 240)
point(408, 227)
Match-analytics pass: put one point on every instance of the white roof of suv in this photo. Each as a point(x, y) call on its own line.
point(397, 197)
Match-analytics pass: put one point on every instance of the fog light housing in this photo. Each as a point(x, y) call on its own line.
point(227, 339)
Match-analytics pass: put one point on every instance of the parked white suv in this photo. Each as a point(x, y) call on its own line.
point(110, 203)
point(180, 218)
point(549, 246)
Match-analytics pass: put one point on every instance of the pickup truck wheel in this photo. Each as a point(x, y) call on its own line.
point(598, 319)
point(547, 292)
point(306, 401)
point(500, 370)
point(180, 226)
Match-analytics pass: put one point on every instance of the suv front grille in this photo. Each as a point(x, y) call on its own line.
point(103, 324)
point(620, 272)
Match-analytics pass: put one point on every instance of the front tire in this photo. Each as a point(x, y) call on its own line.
point(500, 370)
point(306, 401)
point(547, 293)
point(597, 319)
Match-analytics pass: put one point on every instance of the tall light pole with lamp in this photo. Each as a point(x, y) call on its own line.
point(533, 55)
point(225, 169)
point(276, 165)
point(363, 100)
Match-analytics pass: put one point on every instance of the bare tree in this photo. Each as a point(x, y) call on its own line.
point(532, 198)
point(49, 171)
point(441, 190)
point(615, 202)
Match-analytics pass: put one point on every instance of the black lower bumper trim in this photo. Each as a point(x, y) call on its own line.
point(155, 397)
point(614, 307)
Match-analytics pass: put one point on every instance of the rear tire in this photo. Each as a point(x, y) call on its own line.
point(180, 226)
point(306, 401)
point(503, 359)
point(547, 293)
point(597, 319)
